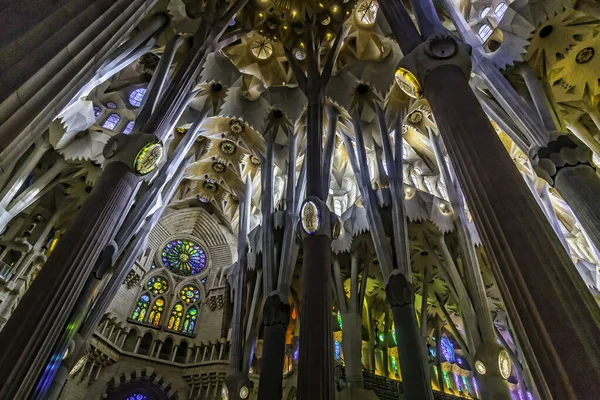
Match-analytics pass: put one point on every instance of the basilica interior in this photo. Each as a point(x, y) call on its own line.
point(300, 199)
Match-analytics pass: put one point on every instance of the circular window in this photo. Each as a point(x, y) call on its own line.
point(262, 49)
point(136, 97)
point(157, 285)
point(366, 12)
point(183, 257)
point(190, 294)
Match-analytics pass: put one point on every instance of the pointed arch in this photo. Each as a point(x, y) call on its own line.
point(156, 311)
point(141, 307)
point(190, 320)
point(176, 317)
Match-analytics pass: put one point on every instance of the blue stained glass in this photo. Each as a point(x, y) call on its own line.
point(338, 350)
point(184, 257)
point(97, 111)
point(203, 280)
point(128, 128)
point(447, 349)
point(137, 397)
point(111, 121)
point(112, 105)
point(136, 97)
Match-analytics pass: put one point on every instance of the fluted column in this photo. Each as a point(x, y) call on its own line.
point(276, 316)
point(30, 338)
point(40, 74)
point(537, 279)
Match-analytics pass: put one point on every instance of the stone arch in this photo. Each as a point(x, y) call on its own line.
point(167, 348)
point(146, 344)
point(130, 340)
point(144, 381)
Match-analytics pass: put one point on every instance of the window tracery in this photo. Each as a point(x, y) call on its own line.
point(184, 257)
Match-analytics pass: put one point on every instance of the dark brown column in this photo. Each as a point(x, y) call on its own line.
point(557, 322)
point(276, 316)
point(42, 313)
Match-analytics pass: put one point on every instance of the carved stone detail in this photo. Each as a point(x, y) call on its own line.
point(276, 311)
point(399, 290)
point(562, 151)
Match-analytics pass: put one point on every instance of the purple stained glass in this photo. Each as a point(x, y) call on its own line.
point(447, 349)
point(184, 257)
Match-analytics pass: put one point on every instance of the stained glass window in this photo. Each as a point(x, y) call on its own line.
point(447, 349)
point(339, 319)
point(157, 285)
point(141, 307)
point(338, 350)
point(137, 397)
point(395, 365)
point(111, 104)
point(190, 294)
point(394, 336)
point(466, 384)
point(190, 320)
point(203, 280)
point(128, 128)
point(176, 315)
point(111, 121)
point(184, 257)
point(97, 111)
point(136, 97)
point(156, 312)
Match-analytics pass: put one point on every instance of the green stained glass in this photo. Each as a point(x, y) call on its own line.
point(157, 285)
point(184, 257)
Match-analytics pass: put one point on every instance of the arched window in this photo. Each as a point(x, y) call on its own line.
point(156, 311)
point(500, 10)
point(136, 97)
point(176, 316)
point(141, 308)
point(485, 12)
point(111, 121)
point(128, 128)
point(190, 320)
point(485, 31)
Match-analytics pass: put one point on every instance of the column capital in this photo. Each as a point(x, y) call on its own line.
point(438, 50)
point(399, 290)
point(276, 311)
point(562, 151)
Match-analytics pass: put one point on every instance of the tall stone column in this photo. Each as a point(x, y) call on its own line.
point(276, 316)
point(44, 309)
point(536, 276)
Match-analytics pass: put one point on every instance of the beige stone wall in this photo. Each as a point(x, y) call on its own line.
point(109, 362)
